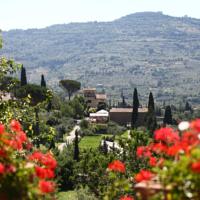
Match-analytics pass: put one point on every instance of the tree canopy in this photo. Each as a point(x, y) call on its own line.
point(71, 86)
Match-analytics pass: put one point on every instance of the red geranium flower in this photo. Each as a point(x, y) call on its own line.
point(15, 126)
point(2, 128)
point(2, 168)
point(126, 198)
point(49, 161)
point(195, 125)
point(144, 175)
point(117, 165)
point(44, 172)
point(143, 151)
point(46, 186)
point(166, 135)
point(152, 161)
point(196, 167)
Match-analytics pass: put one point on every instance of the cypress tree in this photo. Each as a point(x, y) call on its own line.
point(76, 147)
point(135, 108)
point(187, 106)
point(23, 76)
point(105, 147)
point(151, 102)
point(43, 82)
point(168, 115)
point(151, 116)
point(36, 127)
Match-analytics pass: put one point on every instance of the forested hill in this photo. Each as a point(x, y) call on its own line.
point(148, 50)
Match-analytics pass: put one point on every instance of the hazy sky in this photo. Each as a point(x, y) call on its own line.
point(41, 13)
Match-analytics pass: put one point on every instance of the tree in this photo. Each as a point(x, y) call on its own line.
point(151, 121)
point(168, 115)
point(135, 108)
point(37, 93)
point(43, 82)
point(71, 86)
point(23, 76)
point(76, 147)
point(188, 106)
point(104, 147)
point(151, 102)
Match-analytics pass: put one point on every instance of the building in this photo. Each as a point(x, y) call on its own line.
point(101, 116)
point(93, 99)
point(123, 116)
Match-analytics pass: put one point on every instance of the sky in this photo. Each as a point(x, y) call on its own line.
point(24, 14)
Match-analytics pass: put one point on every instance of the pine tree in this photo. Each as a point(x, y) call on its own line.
point(135, 109)
point(43, 82)
point(151, 121)
point(168, 115)
point(23, 76)
point(76, 147)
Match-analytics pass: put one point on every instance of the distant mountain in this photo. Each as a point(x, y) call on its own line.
point(148, 50)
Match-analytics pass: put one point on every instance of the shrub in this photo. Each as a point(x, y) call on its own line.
point(23, 175)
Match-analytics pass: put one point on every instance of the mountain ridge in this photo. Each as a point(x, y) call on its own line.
point(150, 49)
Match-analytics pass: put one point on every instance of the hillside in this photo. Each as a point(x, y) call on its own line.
point(150, 51)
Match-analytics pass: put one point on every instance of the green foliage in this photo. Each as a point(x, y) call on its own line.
point(65, 168)
point(74, 108)
point(36, 92)
point(71, 86)
point(84, 124)
point(91, 170)
point(8, 84)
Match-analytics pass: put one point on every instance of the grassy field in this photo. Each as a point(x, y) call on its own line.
point(92, 141)
point(70, 195)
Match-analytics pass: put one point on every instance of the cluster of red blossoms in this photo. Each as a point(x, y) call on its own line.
point(16, 141)
point(117, 166)
point(167, 143)
point(170, 143)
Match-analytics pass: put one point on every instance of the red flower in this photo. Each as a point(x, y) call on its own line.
point(44, 173)
point(3, 153)
point(49, 161)
point(46, 186)
point(195, 125)
point(21, 136)
point(159, 147)
point(152, 161)
point(173, 150)
point(36, 156)
point(15, 126)
point(144, 175)
point(117, 165)
point(2, 168)
point(196, 167)
point(143, 151)
point(126, 198)
point(166, 135)
point(2, 128)
point(45, 159)
point(10, 169)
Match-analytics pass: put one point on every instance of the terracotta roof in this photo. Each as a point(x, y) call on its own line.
point(118, 110)
point(89, 89)
point(101, 96)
